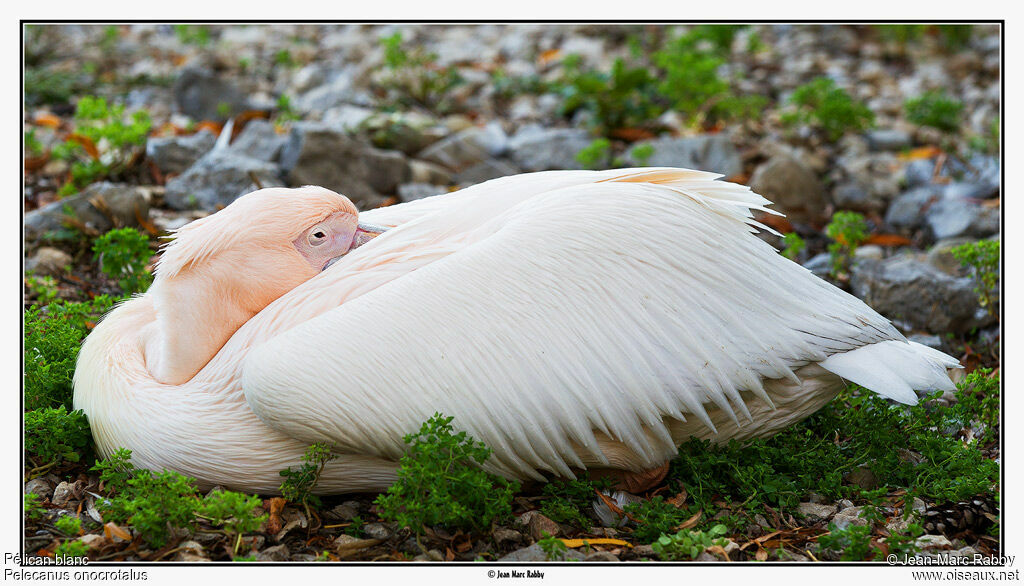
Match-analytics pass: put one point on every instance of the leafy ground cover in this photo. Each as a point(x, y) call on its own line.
point(860, 479)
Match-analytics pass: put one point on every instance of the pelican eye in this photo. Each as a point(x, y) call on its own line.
point(317, 237)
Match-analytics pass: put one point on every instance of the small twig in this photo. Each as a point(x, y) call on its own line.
point(255, 180)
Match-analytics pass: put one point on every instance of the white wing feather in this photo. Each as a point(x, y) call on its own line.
point(539, 309)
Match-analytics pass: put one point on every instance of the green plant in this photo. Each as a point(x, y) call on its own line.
point(236, 512)
point(299, 484)
point(848, 230)
point(68, 525)
point(153, 502)
point(33, 510)
point(53, 436)
point(934, 109)
point(284, 58)
point(71, 549)
point(46, 86)
point(104, 141)
point(355, 528)
point(567, 501)
point(123, 255)
point(852, 542)
point(44, 288)
point(654, 517)
point(793, 244)
point(621, 98)
point(285, 111)
point(440, 482)
point(822, 105)
point(687, 545)
point(116, 470)
point(978, 400)
point(411, 77)
point(596, 154)
point(554, 549)
point(33, 147)
point(53, 335)
point(691, 83)
point(191, 34)
point(982, 258)
point(642, 153)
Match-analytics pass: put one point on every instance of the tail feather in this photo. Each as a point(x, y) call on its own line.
point(895, 369)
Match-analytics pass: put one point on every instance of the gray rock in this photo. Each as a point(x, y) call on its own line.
point(259, 140)
point(340, 89)
point(888, 139)
point(907, 210)
point(116, 205)
point(919, 295)
point(793, 187)
point(48, 261)
point(819, 264)
point(414, 191)
point(866, 182)
point(871, 251)
point(863, 477)
point(601, 556)
point(708, 152)
point(205, 95)
point(408, 132)
point(849, 516)
point(39, 486)
point(345, 512)
point(953, 217)
point(218, 179)
point(174, 154)
point(535, 554)
point(62, 493)
point(424, 172)
point(534, 148)
point(277, 553)
point(933, 542)
point(941, 257)
point(319, 155)
point(377, 531)
point(815, 511)
point(466, 148)
point(540, 527)
point(485, 171)
point(347, 117)
point(931, 341)
point(502, 536)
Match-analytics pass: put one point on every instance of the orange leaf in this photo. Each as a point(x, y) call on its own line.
point(720, 551)
point(275, 506)
point(631, 134)
point(888, 240)
point(208, 125)
point(110, 531)
point(548, 56)
point(87, 144)
point(678, 500)
point(573, 543)
point(761, 555)
point(920, 153)
point(691, 522)
point(47, 119)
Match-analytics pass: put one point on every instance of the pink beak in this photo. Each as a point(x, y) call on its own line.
point(363, 234)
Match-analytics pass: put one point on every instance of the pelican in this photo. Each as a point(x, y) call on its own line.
point(570, 320)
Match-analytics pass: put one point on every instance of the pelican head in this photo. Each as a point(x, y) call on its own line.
point(219, 271)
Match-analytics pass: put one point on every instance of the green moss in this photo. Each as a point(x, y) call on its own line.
point(440, 482)
point(827, 108)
